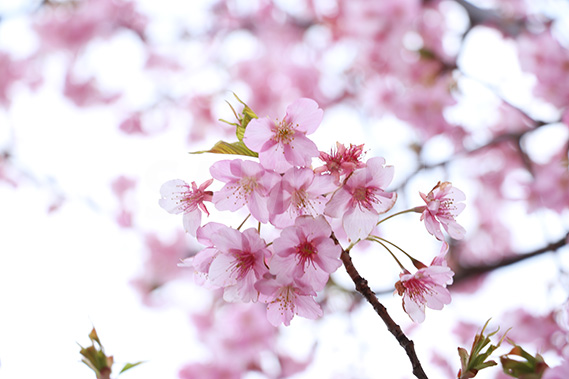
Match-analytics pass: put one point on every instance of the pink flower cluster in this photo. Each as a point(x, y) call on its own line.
point(306, 205)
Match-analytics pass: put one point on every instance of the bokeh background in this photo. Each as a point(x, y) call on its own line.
point(101, 101)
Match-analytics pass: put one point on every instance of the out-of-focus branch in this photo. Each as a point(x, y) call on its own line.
point(465, 272)
point(363, 288)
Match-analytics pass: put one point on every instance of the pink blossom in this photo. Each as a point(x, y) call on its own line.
point(442, 208)
point(362, 199)
point(558, 372)
point(86, 92)
point(237, 335)
point(342, 162)
point(202, 260)
point(283, 144)
point(179, 197)
point(307, 251)
point(286, 297)
point(426, 287)
point(298, 193)
point(159, 266)
point(238, 263)
point(248, 183)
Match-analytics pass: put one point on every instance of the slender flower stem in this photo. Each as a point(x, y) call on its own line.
point(363, 288)
point(246, 218)
point(378, 240)
point(398, 213)
point(394, 245)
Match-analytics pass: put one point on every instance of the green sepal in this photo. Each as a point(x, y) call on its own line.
point(95, 358)
point(128, 366)
point(222, 147)
point(477, 360)
point(529, 368)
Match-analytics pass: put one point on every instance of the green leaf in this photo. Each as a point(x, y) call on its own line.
point(128, 366)
point(528, 367)
point(222, 147)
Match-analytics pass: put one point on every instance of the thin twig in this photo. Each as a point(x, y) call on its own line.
point(363, 288)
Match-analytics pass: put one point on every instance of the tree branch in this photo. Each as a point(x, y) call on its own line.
point(463, 273)
point(363, 288)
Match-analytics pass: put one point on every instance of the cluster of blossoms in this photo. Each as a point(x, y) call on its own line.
point(308, 207)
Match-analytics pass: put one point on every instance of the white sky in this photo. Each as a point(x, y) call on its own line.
point(62, 273)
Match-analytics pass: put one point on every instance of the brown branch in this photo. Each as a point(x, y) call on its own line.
point(363, 288)
point(463, 273)
point(467, 272)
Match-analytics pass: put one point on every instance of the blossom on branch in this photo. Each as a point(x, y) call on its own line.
point(361, 200)
point(283, 144)
point(426, 287)
point(306, 251)
point(443, 205)
point(300, 192)
point(247, 183)
point(342, 162)
point(238, 263)
point(179, 197)
point(285, 297)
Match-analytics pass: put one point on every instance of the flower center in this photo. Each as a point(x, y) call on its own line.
point(243, 263)
point(364, 197)
point(247, 185)
point(305, 252)
point(284, 132)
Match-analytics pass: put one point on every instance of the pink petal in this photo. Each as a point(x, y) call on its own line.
point(257, 133)
point(192, 221)
point(358, 224)
point(306, 114)
point(300, 151)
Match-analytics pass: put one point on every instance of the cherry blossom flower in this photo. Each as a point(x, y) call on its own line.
point(283, 144)
point(179, 197)
point(558, 372)
point(248, 183)
point(442, 208)
point(202, 260)
point(285, 297)
point(298, 193)
point(306, 251)
point(426, 287)
point(238, 264)
point(342, 162)
point(362, 199)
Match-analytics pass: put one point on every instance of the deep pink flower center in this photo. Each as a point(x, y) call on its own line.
point(192, 198)
point(243, 263)
point(305, 252)
point(416, 288)
point(364, 197)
